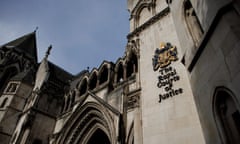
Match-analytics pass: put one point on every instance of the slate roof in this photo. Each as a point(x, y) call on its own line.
point(59, 73)
point(27, 77)
point(26, 44)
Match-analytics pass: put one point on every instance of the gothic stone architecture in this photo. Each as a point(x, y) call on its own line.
point(177, 83)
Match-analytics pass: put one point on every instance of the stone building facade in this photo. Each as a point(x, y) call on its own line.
point(176, 83)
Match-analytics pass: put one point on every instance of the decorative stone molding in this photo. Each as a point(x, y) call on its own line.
point(81, 124)
point(149, 23)
point(140, 5)
point(133, 101)
point(133, 46)
point(12, 56)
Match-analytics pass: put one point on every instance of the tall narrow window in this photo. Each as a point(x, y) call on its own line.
point(227, 117)
point(93, 81)
point(103, 77)
point(83, 87)
point(120, 73)
point(4, 103)
point(193, 23)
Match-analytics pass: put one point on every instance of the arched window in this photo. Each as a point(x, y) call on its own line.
point(103, 76)
point(144, 15)
point(227, 116)
point(4, 103)
point(120, 73)
point(93, 81)
point(129, 68)
point(83, 87)
point(193, 24)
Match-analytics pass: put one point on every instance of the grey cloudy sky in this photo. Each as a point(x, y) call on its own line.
point(83, 32)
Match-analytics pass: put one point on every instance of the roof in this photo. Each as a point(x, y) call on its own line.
point(25, 77)
point(59, 73)
point(26, 44)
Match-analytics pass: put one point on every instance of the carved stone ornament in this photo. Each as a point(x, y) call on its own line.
point(164, 56)
point(132, 46)
point(133, 101)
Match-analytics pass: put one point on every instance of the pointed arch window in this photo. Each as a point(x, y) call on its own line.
point(103, 77)
point(143, 15)
point(227, 116)
point(83, 87)
point(120, 73)
point(93, 81)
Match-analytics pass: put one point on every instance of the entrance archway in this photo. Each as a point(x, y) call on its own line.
point(90, 124)
point(99, 137)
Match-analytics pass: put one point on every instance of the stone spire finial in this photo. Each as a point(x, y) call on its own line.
point(36, 29)
point(48, 51)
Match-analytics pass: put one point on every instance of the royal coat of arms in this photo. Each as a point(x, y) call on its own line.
point(164, 56)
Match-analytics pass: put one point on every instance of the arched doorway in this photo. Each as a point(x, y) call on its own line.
point(227, 116)
point(99, 137)
point(90, 124)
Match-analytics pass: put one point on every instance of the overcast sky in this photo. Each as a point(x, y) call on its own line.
point(83, 33)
